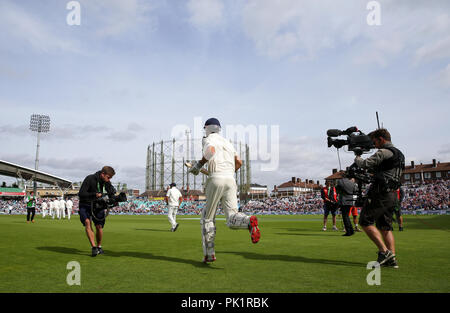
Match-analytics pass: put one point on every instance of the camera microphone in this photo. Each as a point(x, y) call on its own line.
point(334, 132)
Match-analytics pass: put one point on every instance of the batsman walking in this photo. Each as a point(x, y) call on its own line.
point(223, 162)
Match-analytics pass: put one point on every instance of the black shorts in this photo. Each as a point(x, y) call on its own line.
point(378, 209)
point(85, 212)
point(329, 208)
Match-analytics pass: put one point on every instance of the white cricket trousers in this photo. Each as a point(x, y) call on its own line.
point(172, 215)
point(69, 212)
point(44, 212)
point(221, 189)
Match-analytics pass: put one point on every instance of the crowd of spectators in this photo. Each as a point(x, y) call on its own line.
point(427, 196)
point(157, 207)
point(305, 204)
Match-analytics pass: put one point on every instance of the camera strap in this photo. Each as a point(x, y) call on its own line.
point(95, 217)
point(99, 190)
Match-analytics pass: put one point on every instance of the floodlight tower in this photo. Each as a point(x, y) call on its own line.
point(40, 124)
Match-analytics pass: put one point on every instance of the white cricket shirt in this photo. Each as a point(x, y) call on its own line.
point(222, 162)
point(173, 194)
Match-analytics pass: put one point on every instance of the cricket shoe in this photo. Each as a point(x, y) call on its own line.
point(391, 263)
point(209, 258)
point(324, 229)
point(385, 257)
point(335, 228)
point(255, 234)
point(94, 251)
point(100, 250)
point(175, 228)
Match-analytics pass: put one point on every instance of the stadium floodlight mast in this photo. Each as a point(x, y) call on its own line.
point(40, 124)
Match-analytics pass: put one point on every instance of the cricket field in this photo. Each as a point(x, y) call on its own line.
point(294, 255)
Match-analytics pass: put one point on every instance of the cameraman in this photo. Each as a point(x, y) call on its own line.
point(347, 190)
point(94, 187)
point(386, 165)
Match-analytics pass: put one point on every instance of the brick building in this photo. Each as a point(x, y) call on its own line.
point(334, 176)
point(295, 187)
point(426, 172)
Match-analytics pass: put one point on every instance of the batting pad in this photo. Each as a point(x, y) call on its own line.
point(238, 220)
point(208, 236)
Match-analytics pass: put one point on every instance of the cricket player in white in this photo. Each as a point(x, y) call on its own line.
point(223, 162)
point(56, 208)
point(173, 200)
point(51, 210)
point(62, 207)
point(69, 205)
point(44, 209)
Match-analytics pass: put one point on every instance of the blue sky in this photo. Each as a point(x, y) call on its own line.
point(133, 70)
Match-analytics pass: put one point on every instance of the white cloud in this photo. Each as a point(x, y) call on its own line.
point(434, 50)
point(24, 30)
point(112, 18)
point(444, 76)
point(300, 28)
point(304, 28)
point(206, 14)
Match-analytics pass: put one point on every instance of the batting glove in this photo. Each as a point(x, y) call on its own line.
point(195, 169)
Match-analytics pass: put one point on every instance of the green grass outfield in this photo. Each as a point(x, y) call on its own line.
point(294, 255)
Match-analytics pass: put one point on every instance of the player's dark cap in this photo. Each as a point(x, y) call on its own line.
point(173, 185)
point(212, 121)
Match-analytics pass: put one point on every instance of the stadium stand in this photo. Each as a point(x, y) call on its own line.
point(427, 197)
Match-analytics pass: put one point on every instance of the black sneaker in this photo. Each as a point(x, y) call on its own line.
point(348, 234)
point(391, 263)
point(100, 250)
point(94, 251)
point(384, 257)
